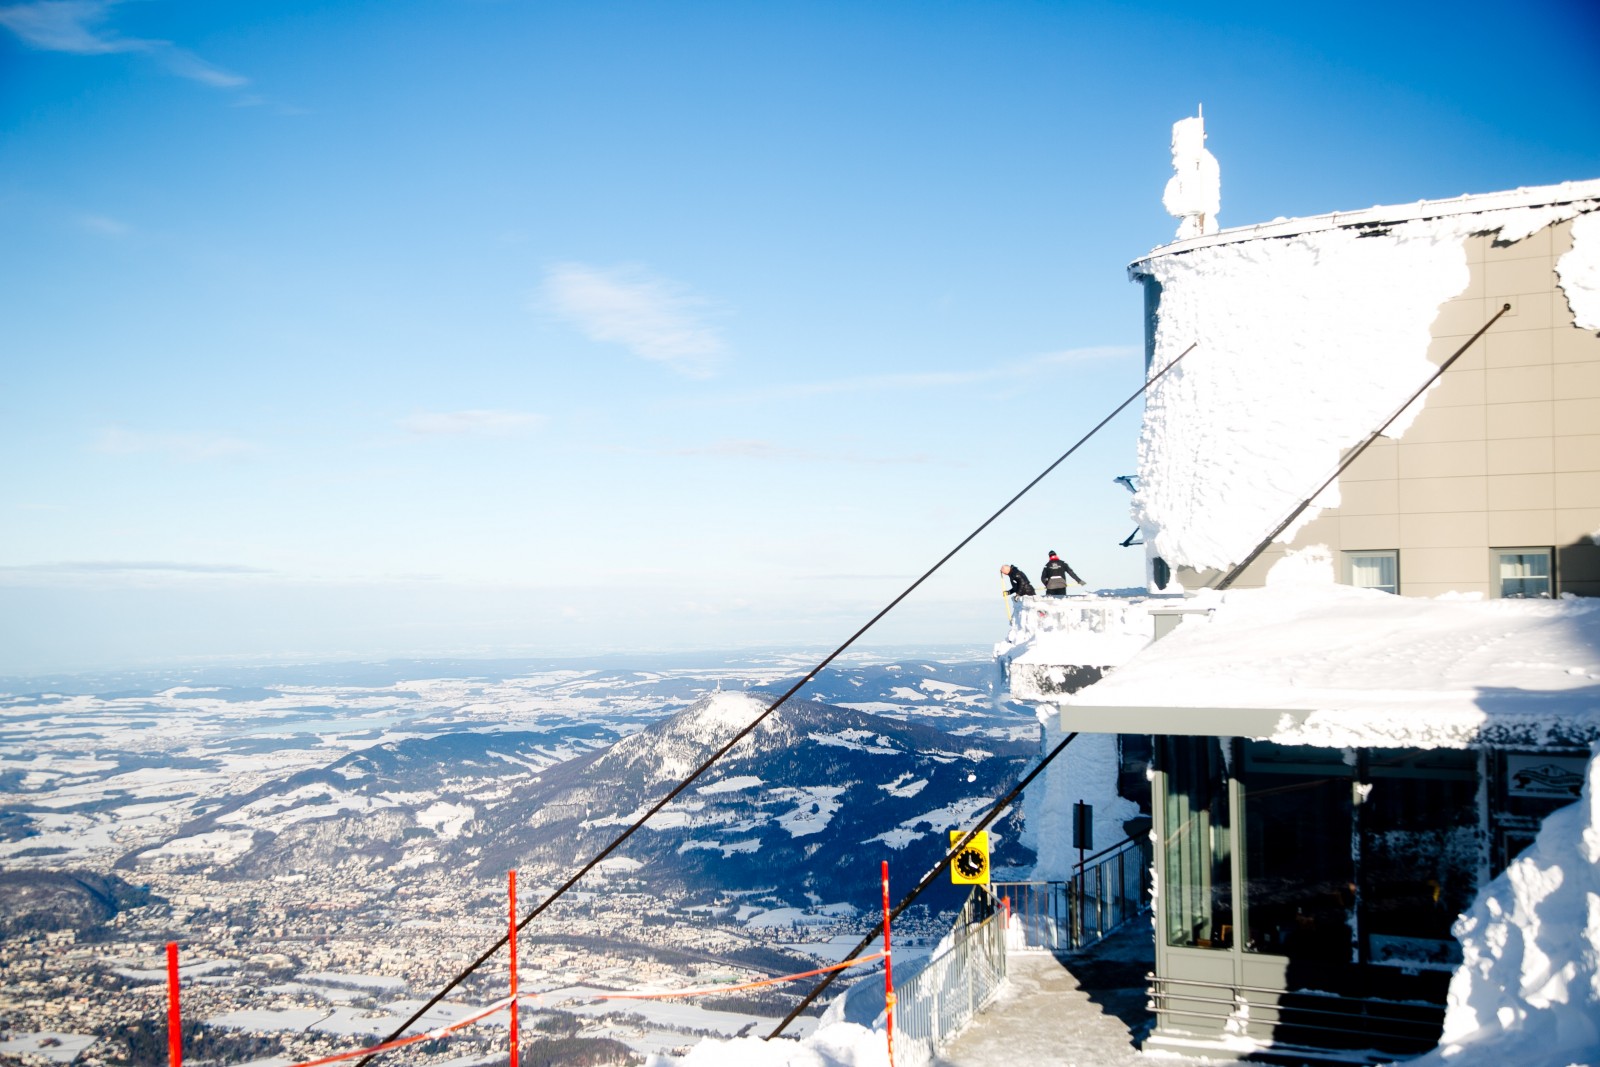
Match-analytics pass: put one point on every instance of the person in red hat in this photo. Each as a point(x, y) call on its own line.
point(1056, 573)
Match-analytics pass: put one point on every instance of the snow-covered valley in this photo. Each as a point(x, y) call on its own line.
point(358, 822)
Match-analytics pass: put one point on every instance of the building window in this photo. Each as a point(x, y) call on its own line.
point(1298, 871)
point(1373, 569)
point(1523, 572)
point(1198, 893)
point(1420, 853)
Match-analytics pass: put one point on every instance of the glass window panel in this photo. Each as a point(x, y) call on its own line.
point(1299, 872)
point(1297, 759)
point(1373, 570)
point(1525, 572)
point(1198, 894)
point(1455, 763)
point(1419, 854)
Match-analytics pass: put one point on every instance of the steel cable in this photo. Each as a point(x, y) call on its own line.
point(927, 879)
point(1354, 454)
point(774, 706)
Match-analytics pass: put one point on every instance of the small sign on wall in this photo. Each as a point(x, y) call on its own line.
point(1550, 777)
point(971, 865)
point(1083, 826)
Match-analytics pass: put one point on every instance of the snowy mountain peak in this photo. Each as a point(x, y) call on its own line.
point(720, 715)
point(672, 748)
point(820, 792)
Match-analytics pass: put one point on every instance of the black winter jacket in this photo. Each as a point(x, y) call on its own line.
point(1020, 586)
point(1054, 577)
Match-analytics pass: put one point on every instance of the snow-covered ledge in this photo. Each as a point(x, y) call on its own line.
point(1059, 644)
point(1338, 667)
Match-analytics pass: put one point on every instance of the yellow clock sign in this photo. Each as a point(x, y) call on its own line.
point(971, 864)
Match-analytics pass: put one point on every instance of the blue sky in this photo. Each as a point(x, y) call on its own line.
point(389, 328)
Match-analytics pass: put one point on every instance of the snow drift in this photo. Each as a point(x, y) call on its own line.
point(1528, 989)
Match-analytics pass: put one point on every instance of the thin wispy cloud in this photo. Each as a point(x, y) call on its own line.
point(68, 26)
point(1079, 355)
point(744, 449)
point(138, 566)
point(186, 64)
point(189, 447)
point(140, 574)
point(481, 423)
point(656, 319)
point(898, 383)
point(78, 27)
point(751, 449)
point(877, 383)
point(103, 226)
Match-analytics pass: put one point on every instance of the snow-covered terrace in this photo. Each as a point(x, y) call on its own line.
point(1324, 664)
point(1058, 644)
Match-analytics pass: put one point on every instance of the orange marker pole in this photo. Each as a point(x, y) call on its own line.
point(888, 971)
point(512, 879)
point(174, 1019)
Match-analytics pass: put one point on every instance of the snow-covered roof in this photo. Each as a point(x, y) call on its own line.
point(1528, 198)
point(1323, 664)
point(1304, 345)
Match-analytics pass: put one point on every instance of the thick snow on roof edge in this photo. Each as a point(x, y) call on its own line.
point(1339, 313)
point(1360, 667)
point(1579, 271)
point(1529, 200)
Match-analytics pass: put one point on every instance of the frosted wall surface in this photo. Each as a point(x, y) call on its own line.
point(1579, 271)
point(1086, 771)
point(1306, 344)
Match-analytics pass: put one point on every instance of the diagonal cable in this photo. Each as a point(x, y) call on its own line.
point(1354, 454)
point(927, 879)
point(774, 706)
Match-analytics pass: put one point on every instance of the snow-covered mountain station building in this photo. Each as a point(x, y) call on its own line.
point(1354, 735)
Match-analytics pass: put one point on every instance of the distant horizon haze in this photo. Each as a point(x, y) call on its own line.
point(349, 329)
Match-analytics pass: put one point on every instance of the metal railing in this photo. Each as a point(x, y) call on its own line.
point(1297, 1018)
point(1092, 613)
point(1109, 888)
point(1041, 915)
point(1106, 890)
point(938, 1002)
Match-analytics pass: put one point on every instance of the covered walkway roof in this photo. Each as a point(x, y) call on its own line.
point(1323, 664)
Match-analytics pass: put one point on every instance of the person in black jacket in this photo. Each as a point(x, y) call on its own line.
point(1020, 586)
point(1054, 578)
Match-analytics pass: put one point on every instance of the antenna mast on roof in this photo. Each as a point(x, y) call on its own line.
point(1194, 192)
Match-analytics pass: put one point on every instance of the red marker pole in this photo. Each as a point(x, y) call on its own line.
point(174, 1019)
point(888, 973)
point(514, 1028)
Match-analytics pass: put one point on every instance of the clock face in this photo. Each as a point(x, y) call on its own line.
point(970, 862)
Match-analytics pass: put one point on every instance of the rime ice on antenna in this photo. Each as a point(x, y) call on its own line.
point(1194, 192)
